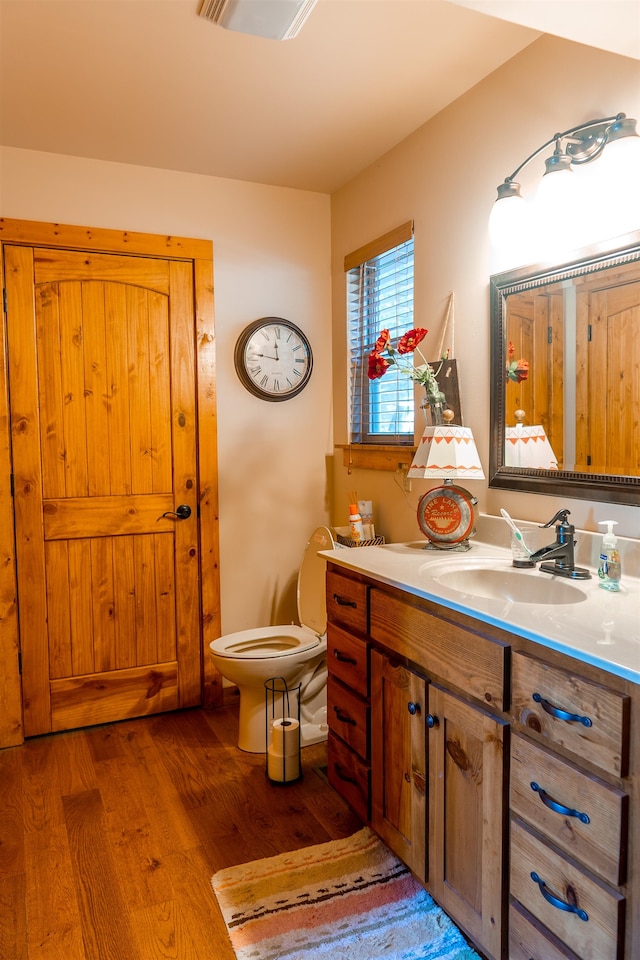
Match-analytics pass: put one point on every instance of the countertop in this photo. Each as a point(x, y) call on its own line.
point(602, 629)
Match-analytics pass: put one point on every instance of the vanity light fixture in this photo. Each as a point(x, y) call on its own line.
point(615, 196)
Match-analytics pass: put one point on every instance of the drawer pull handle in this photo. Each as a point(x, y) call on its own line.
point(339, 771)
point(413, 708)
point(342, 657)
point(560, 714)
point(555, 901)
point(344, 717)
point(558, 807)
point(343, 602)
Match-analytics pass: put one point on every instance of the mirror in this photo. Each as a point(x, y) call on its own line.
point(577, 327)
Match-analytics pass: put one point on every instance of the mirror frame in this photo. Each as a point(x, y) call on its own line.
point(559, 483)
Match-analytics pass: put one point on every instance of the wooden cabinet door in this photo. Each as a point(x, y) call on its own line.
point(398, 760)
point(467, 817)
point(103, 419)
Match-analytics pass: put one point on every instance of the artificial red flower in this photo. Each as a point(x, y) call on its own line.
point(519, 370)
point(384, 355)
point(410, 340)
point(378, 366)
point(382, 342)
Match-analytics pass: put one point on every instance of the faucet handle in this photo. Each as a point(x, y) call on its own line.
point(560, 517)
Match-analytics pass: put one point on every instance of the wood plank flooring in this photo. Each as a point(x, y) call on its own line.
point(109, 835)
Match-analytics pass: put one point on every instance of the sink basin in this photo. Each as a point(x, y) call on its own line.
point(505, 583)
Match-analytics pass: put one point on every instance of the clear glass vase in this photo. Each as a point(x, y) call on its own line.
point(432, 408)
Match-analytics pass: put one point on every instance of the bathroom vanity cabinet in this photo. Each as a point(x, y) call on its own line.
point(482, 758)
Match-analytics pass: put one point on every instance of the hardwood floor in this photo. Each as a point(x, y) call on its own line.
point(109, 835)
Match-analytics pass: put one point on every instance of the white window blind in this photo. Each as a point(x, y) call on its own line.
point(380, 296)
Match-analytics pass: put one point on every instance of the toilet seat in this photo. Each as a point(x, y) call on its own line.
point(282, 641)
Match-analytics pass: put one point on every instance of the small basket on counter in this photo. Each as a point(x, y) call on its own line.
point(343, 538)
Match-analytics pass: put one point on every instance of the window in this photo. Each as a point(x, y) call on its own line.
point(380, 296)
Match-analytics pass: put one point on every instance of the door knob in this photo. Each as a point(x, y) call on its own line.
point(183, 512)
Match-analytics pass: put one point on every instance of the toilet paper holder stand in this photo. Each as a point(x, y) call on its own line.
point(282, 714)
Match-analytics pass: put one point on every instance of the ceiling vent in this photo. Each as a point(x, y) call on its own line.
point(275, 19)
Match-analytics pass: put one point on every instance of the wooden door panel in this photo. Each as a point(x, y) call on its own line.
point(76, 517)
point(398, 760)
point(53, 265)
point(608, 352)
point(103, 397)
point(103, 698)
point(102, 357)
point(117, 590)
point(467, 764)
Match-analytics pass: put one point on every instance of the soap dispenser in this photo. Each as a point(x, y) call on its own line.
point(609, 569)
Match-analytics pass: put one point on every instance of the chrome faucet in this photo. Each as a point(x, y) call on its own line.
point(561, 552)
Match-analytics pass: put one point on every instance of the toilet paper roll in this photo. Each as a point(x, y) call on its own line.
point(282, 769)
point(285, 737)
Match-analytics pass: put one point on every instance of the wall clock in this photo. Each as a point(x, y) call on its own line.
point(273, 358)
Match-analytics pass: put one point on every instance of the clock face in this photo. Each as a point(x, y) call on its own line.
point(273, 358)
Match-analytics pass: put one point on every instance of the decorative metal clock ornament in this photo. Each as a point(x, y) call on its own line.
point(273, 359)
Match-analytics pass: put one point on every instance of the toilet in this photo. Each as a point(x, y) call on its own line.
point(298, 654)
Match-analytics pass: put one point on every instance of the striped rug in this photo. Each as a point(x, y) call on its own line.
point(348, 898)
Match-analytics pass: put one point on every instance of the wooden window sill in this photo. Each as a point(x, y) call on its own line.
point(375, 456)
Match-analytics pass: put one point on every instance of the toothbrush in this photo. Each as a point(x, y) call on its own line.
point(517, 533)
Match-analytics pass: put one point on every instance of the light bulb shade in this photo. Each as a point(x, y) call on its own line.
point(274, 19)
point(446, 451)
point(528, 447)
point(558, 212)
point(508, 218)
point(613, 196)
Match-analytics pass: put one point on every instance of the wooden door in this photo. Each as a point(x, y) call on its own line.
point(467, 817)
point(398, 760)
point(608, 368)
point(103, 422)
point(535, 328)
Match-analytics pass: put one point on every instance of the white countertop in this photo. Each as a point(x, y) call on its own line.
point(602, 629)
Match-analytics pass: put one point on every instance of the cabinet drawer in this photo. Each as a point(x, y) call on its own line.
point(529, 941)
point(597, 934)
point(348, 716)
point(465, 659)
point(577, 714)
point(561, 798)
point(349, 776)
point(347, 602)
point(348, 659)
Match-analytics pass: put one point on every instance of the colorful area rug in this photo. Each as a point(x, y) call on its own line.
point(348, 898)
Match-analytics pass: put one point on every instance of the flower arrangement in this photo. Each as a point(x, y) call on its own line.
point(517, 370)
point(384, 355)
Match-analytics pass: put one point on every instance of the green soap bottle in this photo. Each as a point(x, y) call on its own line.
point(609, 569)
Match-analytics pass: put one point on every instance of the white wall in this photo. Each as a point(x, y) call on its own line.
point(444, 177)
point(271, 258)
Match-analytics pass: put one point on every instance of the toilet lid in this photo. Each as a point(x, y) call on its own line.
point(312, 599)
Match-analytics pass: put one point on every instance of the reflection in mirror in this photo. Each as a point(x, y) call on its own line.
point(565, 355)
